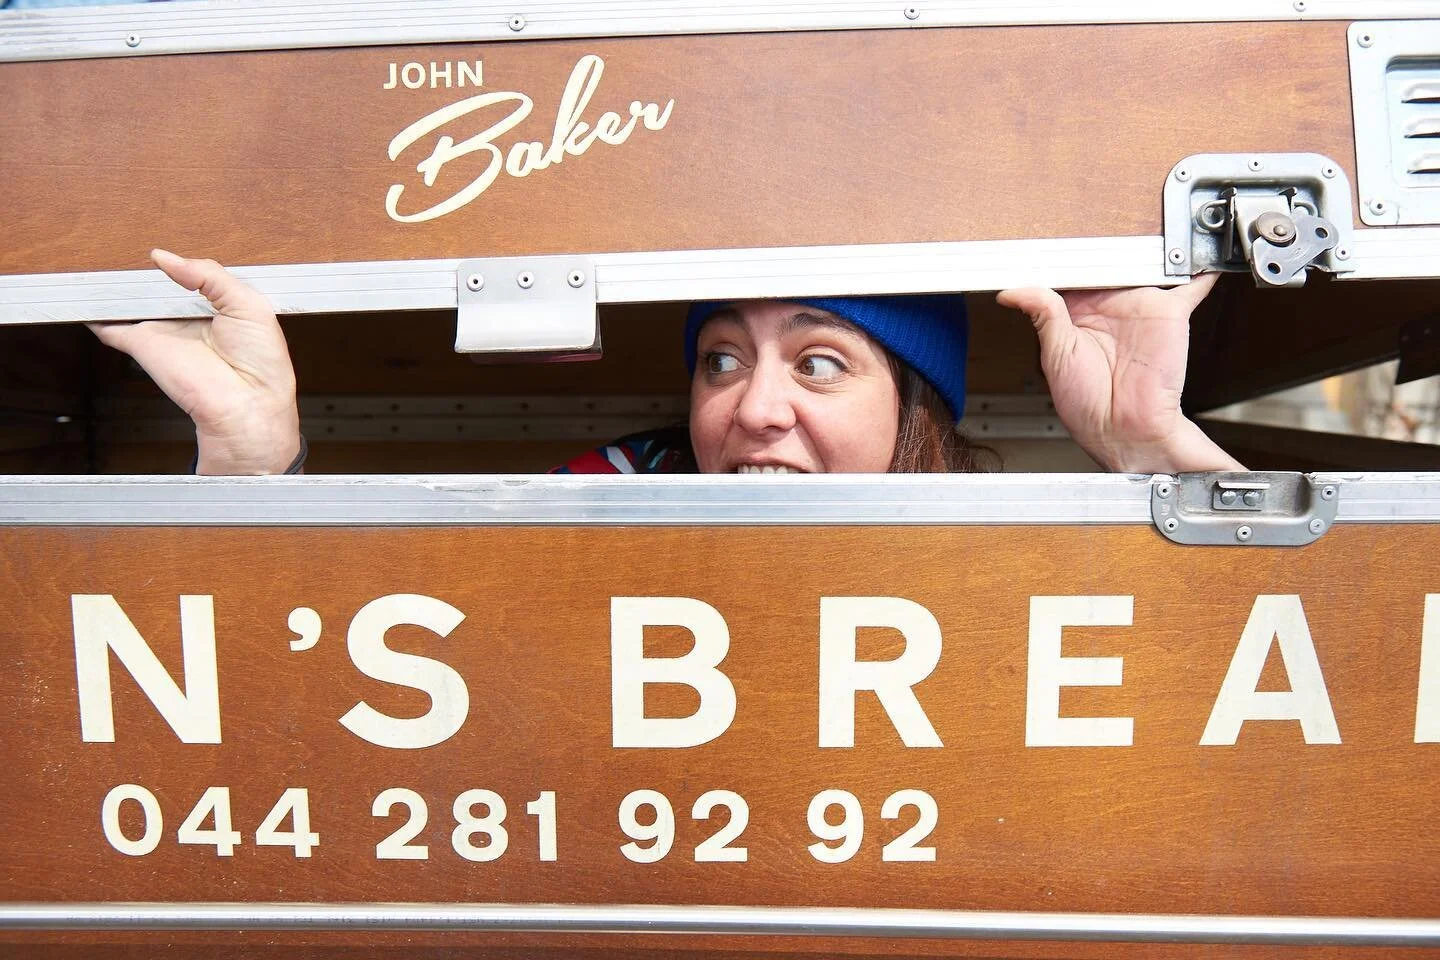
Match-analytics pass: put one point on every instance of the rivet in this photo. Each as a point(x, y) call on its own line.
point(1328, 172)
point(517, 23)
point(1378, 206)
point(1228, 497)
point(1317, 525)
point(475, 281)
point(1163, 491)
point(1252, 498)
point(526, 280)
point(1342, 253)
point(1299, 6)
point(1171, 525)
point(1182, 174)
point(912, 13)
point(1365, 40)
point(133, 40)
point(1328, 493)
point(1255, 163)
point(1177, 256)
point(1244, 534)
point(576, 278)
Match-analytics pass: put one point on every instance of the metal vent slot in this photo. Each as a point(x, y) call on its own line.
point(1422, 91)
point(1426, 164)
point(1424, 127)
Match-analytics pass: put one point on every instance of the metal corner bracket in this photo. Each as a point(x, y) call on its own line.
point(1244, 509)
point(1275, 215)
point(527, 308)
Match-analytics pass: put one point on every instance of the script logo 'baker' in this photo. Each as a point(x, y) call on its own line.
point(572, 136)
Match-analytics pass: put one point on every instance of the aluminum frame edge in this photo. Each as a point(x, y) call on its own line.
point(212, 26)
point(551, 500)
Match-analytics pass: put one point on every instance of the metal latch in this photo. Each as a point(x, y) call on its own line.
point(1274, 214)
point(1239, 509)
point(527, 308)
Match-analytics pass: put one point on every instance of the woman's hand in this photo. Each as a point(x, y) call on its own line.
point(1115, 361)
point(230, 373)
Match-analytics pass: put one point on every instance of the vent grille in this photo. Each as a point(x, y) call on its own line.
point(1414, 88)
point(1395, 89)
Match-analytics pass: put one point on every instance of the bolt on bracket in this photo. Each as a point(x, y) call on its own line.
point(1275, 215)
point(527, 308)
point(1243, 509)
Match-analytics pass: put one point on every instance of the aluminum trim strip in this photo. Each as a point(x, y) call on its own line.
point(575, 500)
point(1009, 499)
point(733, 920)
point(201, 26)
point(619, 278)
point(1396, 253)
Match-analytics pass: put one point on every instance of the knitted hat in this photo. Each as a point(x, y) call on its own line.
point(929, 332)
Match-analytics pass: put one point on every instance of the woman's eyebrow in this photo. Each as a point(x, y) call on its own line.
point(804, 319)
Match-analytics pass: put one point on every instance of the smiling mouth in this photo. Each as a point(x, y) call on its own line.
point(767, 468)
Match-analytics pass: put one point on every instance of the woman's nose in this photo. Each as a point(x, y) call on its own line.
point(765, 405)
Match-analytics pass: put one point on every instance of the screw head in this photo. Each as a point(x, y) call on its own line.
point(1171, 525)
point(1365, 40)
point(526, 280)
point(1256, 163)
point(1299, 6)
point(1317, 525)
point(1177, 256)
point(1328, 493)
point(1342, 253)
point(1182, 174)
point(475, 281)
point(133, 40)
point(517, 23)
point(912, 13)
point(576, 278)
point(1162, 491)
point(1378, 206)
point(1244, 533)
point(1328, 172)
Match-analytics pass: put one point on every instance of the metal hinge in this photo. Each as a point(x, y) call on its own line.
point(1243, 509)
point(1273, 214)
point(527, 308)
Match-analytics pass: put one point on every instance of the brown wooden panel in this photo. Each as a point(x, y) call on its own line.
point(774, 140)
point(1271, 825)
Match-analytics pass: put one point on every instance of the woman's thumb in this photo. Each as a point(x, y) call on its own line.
point(227, 293)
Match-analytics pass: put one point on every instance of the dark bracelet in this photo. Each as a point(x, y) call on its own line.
point(295, 467)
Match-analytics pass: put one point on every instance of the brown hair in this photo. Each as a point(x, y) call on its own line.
point(927, 440)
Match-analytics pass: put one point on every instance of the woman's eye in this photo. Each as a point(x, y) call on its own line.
point(720, 363)
point(821, 367)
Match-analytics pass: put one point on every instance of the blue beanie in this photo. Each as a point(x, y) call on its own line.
point(929, 332)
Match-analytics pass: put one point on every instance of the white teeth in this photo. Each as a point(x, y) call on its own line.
point(764, 469)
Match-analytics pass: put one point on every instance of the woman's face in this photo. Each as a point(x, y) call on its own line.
point(782, 387)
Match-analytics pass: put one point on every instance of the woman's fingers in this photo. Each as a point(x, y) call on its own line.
point(1047, 312)
point(227, 294)
point(1190, 294)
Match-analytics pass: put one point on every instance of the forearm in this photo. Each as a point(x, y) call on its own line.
point(1186, 450)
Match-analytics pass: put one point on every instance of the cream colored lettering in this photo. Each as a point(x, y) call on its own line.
point(418, 74)
point(437, 71)
point(446, 150)
point(571, 135)
point(394, 81)
point(473, 76)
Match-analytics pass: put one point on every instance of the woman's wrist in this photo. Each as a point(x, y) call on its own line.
point(269, 450)
point(1185, 450)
